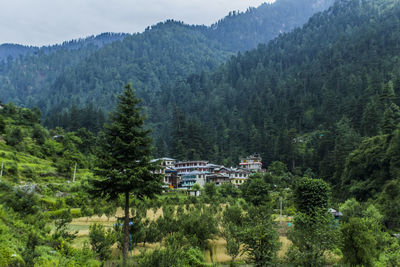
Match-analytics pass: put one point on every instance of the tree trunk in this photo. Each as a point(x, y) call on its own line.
point(126, 229)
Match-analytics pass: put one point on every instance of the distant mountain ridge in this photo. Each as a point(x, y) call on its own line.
point(16, 50)
point(159, 57)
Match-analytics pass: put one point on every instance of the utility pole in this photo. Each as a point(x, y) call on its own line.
point(2, 167)
point(73, 179)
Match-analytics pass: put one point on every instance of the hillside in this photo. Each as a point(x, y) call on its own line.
point(14, 51)
point(163, 54)
point(244, 31)
point(306, 98)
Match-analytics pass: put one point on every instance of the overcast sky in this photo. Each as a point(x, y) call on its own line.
point(45, 22)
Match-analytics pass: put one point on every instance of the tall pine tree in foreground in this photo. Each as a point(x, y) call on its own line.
point(124, 165)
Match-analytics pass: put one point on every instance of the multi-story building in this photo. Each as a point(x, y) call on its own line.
point(188, 179)
point(252, 163)
point(170, 178)
point(238, 176)
point(183, 167)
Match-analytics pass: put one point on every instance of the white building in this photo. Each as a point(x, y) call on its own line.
point(252, 163)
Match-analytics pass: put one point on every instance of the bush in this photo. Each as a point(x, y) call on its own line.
point(27, 172)
point(14, 137)
point(101, 241)
point(176, 253)
point(11, 168)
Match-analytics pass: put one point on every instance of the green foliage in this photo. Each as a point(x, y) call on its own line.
point(350, 208)
point(232, 220)
point(389, 201)
point(101, 241)
point(226, 190)
point(311, 195)
point(177, 253)
point(359, 244)
point(312, 236)
point(14, 137)
point(255, 191)
point(124, 161)
point(2, 125)
point(210, 191)
point(198, 226)
point(61, 232)
point(124, 166)
point(259, 237)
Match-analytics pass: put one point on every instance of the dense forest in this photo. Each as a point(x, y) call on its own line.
point(54, 79)
point(307, 98)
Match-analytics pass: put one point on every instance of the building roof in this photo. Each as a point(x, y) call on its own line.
point(194, 173)
point(191, 161)
point(160, 159)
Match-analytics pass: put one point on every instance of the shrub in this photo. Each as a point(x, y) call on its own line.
point(101, 241)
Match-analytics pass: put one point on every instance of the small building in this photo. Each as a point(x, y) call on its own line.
point(217, 178)
point(170, 178)
point(335, 213)
point(238, 176)
point(252, 163)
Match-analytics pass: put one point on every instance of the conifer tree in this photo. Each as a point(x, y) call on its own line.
point(124, 166)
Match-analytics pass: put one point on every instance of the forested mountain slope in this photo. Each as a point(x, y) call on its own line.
point(161, 55)
point(307, 98)
point(14, 51)
point(23, 78)
point(10, 51)
point(244, 31)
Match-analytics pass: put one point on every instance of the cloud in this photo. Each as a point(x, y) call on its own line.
point(44, 22)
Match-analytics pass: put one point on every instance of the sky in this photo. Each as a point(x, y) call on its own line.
point(47, 22)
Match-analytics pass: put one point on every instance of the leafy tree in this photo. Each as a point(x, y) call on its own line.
point(259, 237)
point(210, 191)
point(177, 252)
point(312, 236)
point(359, 244)
point(14, 137)
point(311, 195)
point(61, 232)
point(389, 201)
point(228, 189)
point(2, 125)
point(256, 191)
point(232, 220)
point(101, 241)
point(350, 208)
point(198, 225)
point(124, 166)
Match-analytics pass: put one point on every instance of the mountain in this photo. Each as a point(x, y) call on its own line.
point(307, 98)
point(14, 51)
point(163, 54)
point(244, 31)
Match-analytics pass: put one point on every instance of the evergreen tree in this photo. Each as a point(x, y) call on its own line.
point(124, 166)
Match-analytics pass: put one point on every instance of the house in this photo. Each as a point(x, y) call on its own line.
point(167, 169)
point(171, 178)
point(184, 167)
point(252, 163)
point(238, 176)
point(188, 179)
point(217, 178)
